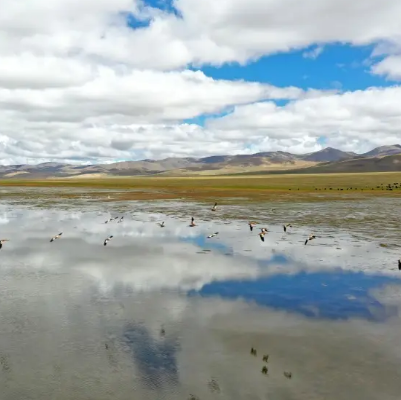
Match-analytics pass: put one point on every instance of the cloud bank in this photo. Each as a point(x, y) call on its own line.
point(101, 81)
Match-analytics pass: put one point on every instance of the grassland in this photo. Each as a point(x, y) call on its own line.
point(289, 187)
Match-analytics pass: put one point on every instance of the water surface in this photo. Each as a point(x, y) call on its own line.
point(81, 320)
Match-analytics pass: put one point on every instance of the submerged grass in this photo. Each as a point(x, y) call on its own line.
point(289, 187)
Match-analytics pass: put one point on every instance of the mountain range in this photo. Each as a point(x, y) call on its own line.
point(384, 158)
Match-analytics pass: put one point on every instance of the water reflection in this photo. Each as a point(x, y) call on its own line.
point(81, 320)
point(156, 359)
point(334, 295)
point(144, 256)
point(206, 243)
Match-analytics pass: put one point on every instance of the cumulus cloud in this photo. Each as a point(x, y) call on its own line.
point(349, 120)
point(389, 67)
point(198, 32)
point(77, 83)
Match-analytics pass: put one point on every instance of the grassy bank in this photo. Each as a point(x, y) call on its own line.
point(289, 186)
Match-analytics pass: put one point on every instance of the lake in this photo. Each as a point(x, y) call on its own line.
point(167, 313)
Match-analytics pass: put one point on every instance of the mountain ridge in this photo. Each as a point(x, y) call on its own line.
point(326, 159)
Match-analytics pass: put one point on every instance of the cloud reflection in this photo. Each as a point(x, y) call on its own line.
point(145, 257)
point(62, 302)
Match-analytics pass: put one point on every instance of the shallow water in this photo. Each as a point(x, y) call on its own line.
point(79, 320)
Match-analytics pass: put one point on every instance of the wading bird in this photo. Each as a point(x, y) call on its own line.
point(56, 237)
point(265, 357)
point(264, 370)
point(107, 240)
point(121, 220)
point(287, 226)
point(213, 235)
point(214, 207)
point(288, 374)
point(263, 230)
point(161, 224)
point(311, 237)
point(253, 351)
point(262, 236)
point(192, 222)
point(2, 241)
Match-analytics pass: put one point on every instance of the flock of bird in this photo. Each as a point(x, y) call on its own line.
point(251, 224)
point(265, 359)
point(264, 231)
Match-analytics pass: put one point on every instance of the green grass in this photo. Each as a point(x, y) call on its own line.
point(310, 182)
point(276, 188)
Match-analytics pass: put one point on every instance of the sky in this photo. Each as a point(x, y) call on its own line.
point(99, 81)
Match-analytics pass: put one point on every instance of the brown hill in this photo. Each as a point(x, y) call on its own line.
point(326, 160)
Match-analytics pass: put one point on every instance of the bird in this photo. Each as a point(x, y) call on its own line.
point(213, 235)
point(2, 241)
point(399, 264)
point(288, 374)
point(192, 222)
point(121, 220)
point(287, 226)
point(161, 224)
point(251, 225)
point(107, 240)
point(162, 331)
point(56, 237)
point(253, 351)
point(263, 230)
point(265, 357)
point(214, 207)
point(311, 237)
point(264, 370)
point(262, 236)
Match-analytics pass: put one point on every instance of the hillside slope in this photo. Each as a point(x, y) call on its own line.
point(326, 160)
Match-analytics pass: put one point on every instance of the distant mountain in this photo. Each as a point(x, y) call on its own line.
point(329, 154)
point(383, 151)
point(326, 160)
point(358, 165)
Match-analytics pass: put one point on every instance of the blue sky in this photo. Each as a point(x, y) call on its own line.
point(338, 66)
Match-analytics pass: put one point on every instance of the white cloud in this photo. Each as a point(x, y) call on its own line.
point(356, 120)
point(76, 83)
point(206, 32)
point(389, 67)
point(314, 53)
point(115, 111)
